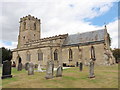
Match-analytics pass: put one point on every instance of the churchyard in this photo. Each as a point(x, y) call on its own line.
point(105, 77)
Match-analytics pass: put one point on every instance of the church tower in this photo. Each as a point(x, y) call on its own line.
point(29, 30)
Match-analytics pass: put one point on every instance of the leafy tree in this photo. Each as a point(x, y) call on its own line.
point(116, 54)
point(6, 54)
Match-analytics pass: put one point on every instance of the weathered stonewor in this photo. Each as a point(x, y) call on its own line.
point(31, 69)
point(59, 71)
point(6, 69)
point(50, 69)
point(19, 68)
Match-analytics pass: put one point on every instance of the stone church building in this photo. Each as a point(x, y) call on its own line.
point(62, 49)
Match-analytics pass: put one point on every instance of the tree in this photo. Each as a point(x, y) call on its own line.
point(116, 54)
point(6, 54)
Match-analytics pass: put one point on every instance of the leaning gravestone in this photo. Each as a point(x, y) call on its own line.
point(31, 69)
point(81, 66)
point(26, 66)
point(50, 69)
point(59, 71)
point(91, 71)
point(19, 67)
point(6, 69)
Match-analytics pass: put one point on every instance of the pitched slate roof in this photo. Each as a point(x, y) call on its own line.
point(85, 37)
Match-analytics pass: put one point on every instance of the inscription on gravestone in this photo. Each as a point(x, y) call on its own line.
point(6, 69)
point(50, 69)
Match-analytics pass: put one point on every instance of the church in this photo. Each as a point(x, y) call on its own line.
point(63, 49)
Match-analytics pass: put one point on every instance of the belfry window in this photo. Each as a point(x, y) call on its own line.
point(56, 54)
point(24, 25)
point(34, 26)
point(70, 55)
point(40, 55)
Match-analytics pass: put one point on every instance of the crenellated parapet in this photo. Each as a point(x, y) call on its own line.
point(29, 17)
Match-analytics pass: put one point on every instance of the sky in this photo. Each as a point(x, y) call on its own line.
point(59, 17)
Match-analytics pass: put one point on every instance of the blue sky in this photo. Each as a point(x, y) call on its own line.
point(59, 17)
point(106, 17)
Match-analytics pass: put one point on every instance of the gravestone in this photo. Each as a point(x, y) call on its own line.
point(92, 60)
point(59, 71)
point(91, 70)
point(39, 68)
point(76, 64)
point(26, 66)
point(31, 69)
point(50, 69)
point(19, 67)
point(81, 66)
point(6, 69)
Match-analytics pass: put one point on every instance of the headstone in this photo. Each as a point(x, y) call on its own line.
point(19, 67)
point(76, 64)
point(59, 71)
point(91, 70)
point(39, 68)
point(6, 69)
point(50, 69)
point(26, 66)
point(81, 66)
point(31, 69)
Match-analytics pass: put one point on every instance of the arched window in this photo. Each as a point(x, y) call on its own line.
point(28, 56)
point(80, 53)
point(56, 54)
point(34, 26)
point(70, 55)
point(93, 53)
point(24, 25)
point(40, 55)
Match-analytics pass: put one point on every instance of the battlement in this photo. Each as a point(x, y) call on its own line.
point(29, 17)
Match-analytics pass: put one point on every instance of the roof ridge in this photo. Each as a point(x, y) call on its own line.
point(88, 32)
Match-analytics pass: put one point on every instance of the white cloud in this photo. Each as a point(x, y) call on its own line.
point(12, 46)
point(113, 31)
point(57, 16)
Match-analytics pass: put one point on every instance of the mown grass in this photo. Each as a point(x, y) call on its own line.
point(106, 77)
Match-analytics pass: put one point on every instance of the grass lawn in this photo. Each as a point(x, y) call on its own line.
point(106, 77)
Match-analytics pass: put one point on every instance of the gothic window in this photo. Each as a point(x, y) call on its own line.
point(24, 25)
point(93, 53)
point(80, 53)
point(34, 26)
point(56, 54)
point(40, 55)
point(28, 57)
point(70, 55)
